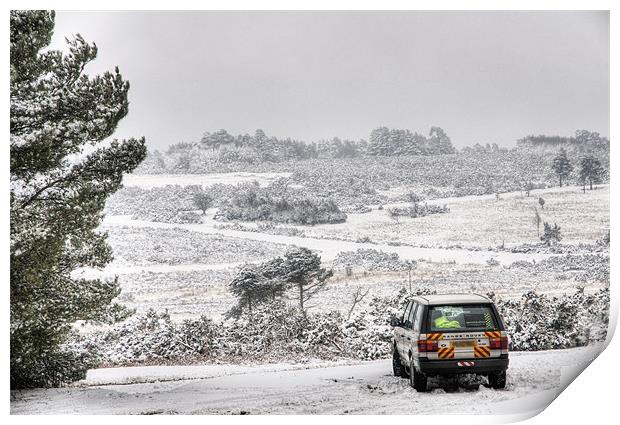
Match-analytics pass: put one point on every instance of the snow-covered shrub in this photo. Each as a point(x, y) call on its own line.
point(273, 330)
point(356, 209)
point(277, 331)
point(582, 268)
point(156, 204)
point(369, 260)
point(418, 210)
point(367, 335)
point(154, 337)
point(539, 322)
point(323, 333)
point(559, 248)
point(186, 217)
point(278, 203)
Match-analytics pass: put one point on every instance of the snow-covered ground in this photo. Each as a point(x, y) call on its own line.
point(483, 221)
point(149, 181)
point(534, 380)
point(329, 248)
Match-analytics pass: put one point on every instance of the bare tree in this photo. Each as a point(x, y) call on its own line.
point(410, 264)
point(394, 215)
point(537, 220)
point(528, 188)
point(358, 296)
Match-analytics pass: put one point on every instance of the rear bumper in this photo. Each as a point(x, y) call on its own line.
point(451, 367)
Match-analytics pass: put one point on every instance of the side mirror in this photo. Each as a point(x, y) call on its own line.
point(395, 321)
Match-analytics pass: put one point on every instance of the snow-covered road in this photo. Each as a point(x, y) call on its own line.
point(534, 379)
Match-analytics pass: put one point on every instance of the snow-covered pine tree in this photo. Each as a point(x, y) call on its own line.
point(58, 193)
point(562, 166)
point(302, 269)
point(246, 286)
point(551, 234)
point(440, 139)
point(591, 171)
point(379, 143)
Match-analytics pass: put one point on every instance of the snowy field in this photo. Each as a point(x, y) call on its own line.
point(534, 380)
point(156, 271)
point(185, 268)
point(483, 221)
point(148, 181)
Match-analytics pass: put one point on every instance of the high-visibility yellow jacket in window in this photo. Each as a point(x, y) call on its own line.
point(443, 323)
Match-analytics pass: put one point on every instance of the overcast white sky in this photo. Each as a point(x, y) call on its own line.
point(482, 76)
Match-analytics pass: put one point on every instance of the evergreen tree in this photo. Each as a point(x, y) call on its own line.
point(302, 269)
point(272, 272)
point(562, 166)
point(379, 143)
point(591, 171)
point(246, 286)
point(440, 139)
point(218, 139)
point(58, 192)
point(202, 200)
point(551, 234)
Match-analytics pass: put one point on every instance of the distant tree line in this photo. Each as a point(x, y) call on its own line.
point(383, 141)
point(582, 139)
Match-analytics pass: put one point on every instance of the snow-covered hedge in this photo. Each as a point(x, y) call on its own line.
point(278, 332)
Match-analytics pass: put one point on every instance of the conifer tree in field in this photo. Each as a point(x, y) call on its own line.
point(302, 269)
point(246, 286)
point(551, 234)
point(541, 202)
point(59, 181)
point(591, 171)
point(562, 166)
point(272, 272)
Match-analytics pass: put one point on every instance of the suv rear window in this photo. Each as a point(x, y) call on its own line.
point(461, 317)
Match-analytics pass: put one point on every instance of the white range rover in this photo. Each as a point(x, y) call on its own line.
point(449, 335)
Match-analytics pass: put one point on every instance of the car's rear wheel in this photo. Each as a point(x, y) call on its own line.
point(497, 380)
point(417, 379)
point(397, 365)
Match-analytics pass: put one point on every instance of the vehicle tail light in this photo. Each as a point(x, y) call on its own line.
point(427, 345)
point(500, 343)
